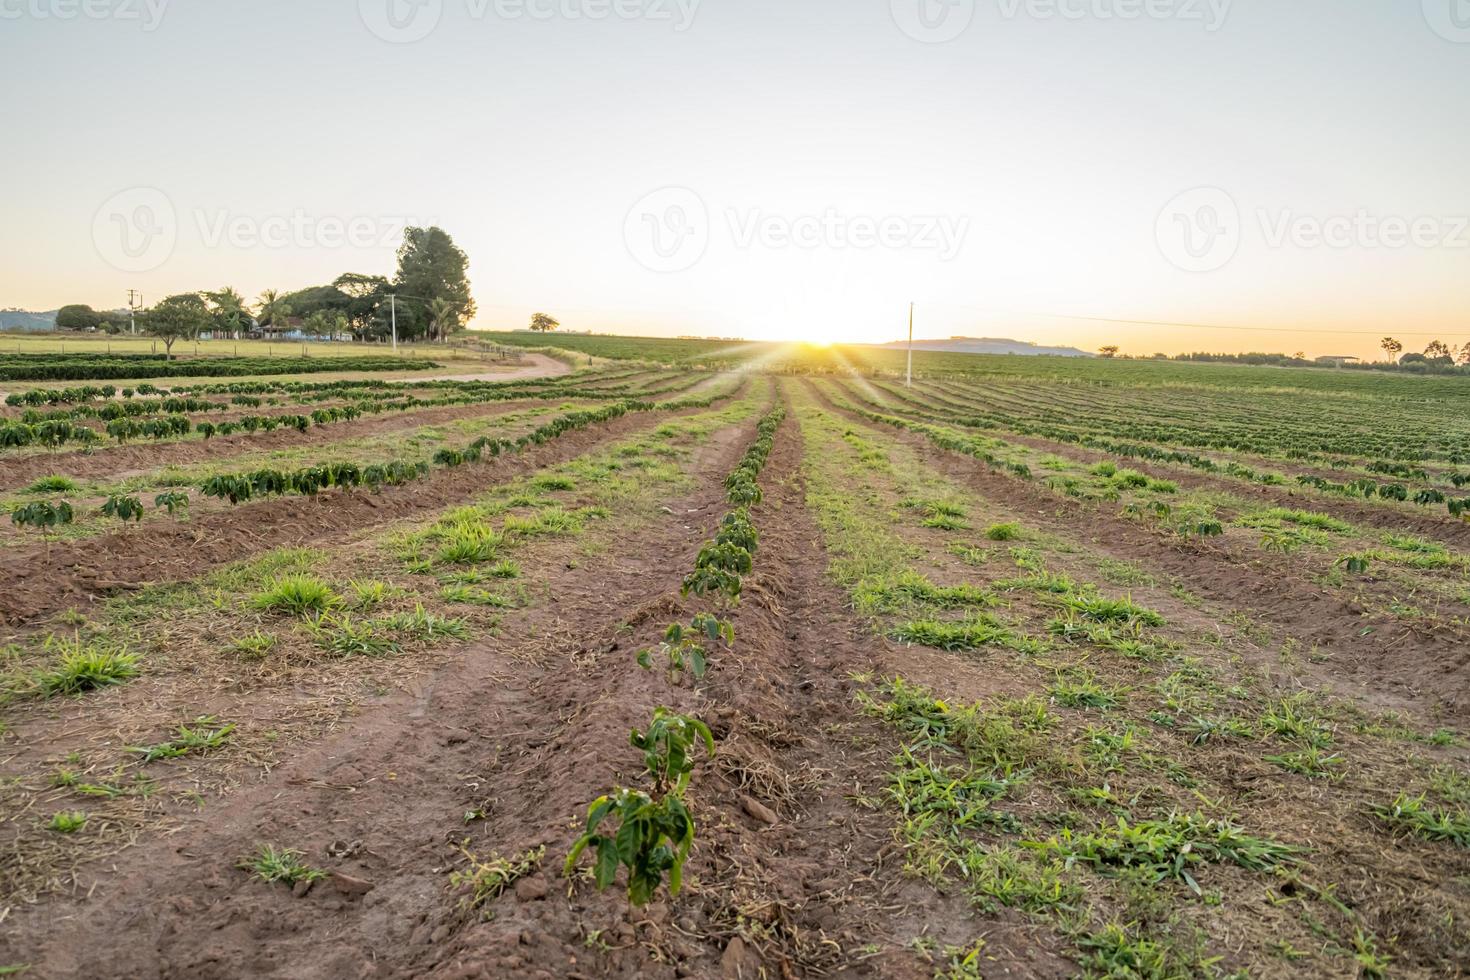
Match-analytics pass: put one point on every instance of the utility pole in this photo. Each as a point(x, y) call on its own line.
point(135, 300)
point(393, 305)
point(910, 382)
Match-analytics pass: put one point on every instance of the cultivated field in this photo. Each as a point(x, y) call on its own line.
point(1037, 668)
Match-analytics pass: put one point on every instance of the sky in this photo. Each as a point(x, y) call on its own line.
point(1165, 175)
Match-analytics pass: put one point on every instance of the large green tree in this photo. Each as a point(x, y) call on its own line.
point(78, 317)
point(367, 300)
point(176, 318)
point(432, 268)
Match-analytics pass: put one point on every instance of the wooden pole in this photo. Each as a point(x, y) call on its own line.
point(909, 383)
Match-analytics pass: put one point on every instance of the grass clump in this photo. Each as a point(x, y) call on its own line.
point(1311, 762)
point(469, 595)
point(67, 821)
point(272, 864)
point(1167, 849)
point(255, 646)
point(1414, 815)
point(200, 738)
point(1003, 532)
point(424, 625)
point(299, 595)
point(552, 521)
point(468, 543)
point(968, 634)
point(908, 589)
point(54, 484)
point(485, 881)
point(1103, 610)
point(1082, 689)
point(370, 593)
point(1302, 518)
point(348, 637)
point(553, 483)
point(83, 666)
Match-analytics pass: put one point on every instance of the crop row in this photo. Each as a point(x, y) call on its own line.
point(53, 433)
point(71, 367)
point(1274, 424)
point(1360, 488)
point(311, 480)
point(943, 438)
point(655, 828)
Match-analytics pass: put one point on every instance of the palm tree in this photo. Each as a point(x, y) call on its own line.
point(273, 307)
point(444, 314)
point(228, 308)
point(236, 321)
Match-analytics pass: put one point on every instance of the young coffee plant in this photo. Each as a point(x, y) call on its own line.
point(666, 749)
point(44, 516)
point(655, 830)
point(718, 568)
point(684, 648)
point(653, 839)
point(173, 501)
point(123, 508)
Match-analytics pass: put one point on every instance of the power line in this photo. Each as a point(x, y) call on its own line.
point(1216, 326)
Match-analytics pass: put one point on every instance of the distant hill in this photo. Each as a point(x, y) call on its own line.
point(24, 320)
point(986, 345)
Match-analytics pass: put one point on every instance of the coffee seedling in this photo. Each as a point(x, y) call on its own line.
point(684, 649)
point(123, 508)
point(655, 831)
point(172, 501)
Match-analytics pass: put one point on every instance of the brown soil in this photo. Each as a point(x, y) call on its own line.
point(1389, 663)
point(789, 877)
point(1431, 522)
point(37, 581)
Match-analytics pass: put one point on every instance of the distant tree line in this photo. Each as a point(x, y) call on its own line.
point(1438, 358)
point(430, 293)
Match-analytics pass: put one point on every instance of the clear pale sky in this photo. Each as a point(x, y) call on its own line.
point(1055, 136)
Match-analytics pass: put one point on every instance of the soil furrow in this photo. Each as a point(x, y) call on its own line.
point(36, 582)
point(1400, 519)
point(1383, 659)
